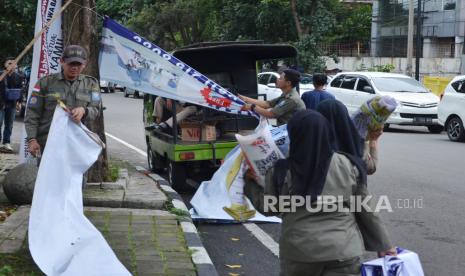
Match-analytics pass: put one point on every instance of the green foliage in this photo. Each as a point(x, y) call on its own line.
point(6, 270)
point(176, 23)
point(377, 68)
point(382, 68)
point(17, 24)
point(317, 20)
point(357, 26)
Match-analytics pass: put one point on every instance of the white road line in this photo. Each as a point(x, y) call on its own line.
point(141, 152)
point(263, 237)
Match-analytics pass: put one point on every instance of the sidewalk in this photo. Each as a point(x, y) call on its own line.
point(139, 221)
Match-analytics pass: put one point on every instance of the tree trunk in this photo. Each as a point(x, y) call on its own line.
point(296, 18)
point(79, 27)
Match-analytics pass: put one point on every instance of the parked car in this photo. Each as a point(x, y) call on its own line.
point(416, 104)
point(119, 87)
point(107, 87)
point(135, 93)
point(451, 110)
point(267, 84)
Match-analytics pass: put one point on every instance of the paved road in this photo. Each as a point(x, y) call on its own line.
point(415, 168)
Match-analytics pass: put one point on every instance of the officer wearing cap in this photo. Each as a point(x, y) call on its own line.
point(80, 93)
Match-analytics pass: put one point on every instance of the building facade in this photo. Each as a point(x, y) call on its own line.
point(442, 29)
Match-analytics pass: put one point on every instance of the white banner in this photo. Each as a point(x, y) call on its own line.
point(222, 198)
point(134, 62)
point(46, 56)
point(62, 241)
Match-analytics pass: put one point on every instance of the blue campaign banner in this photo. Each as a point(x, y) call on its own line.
point(128, 59)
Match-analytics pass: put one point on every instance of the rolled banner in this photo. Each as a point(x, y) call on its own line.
point(373, 114)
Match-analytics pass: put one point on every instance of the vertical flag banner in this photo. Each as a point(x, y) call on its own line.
point(46, 55)
point(131, 61)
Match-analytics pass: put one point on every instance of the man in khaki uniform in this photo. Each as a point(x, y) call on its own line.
point(80, 93)
point(283, 107)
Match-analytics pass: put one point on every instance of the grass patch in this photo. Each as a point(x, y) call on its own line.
point(178, 212)
point(19, 263)
point(168, 206)
point(113, 172)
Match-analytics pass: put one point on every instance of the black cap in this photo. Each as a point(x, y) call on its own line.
point(74, 53)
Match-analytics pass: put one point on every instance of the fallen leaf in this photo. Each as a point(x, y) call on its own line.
point(234, 266)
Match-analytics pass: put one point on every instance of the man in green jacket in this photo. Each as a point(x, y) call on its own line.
point(80, 94)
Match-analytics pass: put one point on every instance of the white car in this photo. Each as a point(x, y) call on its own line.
point(451, 110)
point(416, 105)
point(267, 85)
point(107, 87)
point(135, 93)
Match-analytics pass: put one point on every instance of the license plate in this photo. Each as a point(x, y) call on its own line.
point(422, 120)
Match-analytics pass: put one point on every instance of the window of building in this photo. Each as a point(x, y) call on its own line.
point(449, 5)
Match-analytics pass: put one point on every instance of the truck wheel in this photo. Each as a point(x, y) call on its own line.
point(155, 161)
point(177, 176)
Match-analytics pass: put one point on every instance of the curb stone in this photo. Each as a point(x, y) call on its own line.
point(200, 257)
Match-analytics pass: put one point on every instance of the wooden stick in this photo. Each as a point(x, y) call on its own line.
point(36, 37)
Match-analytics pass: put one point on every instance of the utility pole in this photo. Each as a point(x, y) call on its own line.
point(418, 50)
point(411, 15)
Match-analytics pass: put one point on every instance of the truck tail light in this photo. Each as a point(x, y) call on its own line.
point(189, 155)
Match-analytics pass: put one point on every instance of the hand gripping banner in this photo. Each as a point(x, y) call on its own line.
point(133, 62)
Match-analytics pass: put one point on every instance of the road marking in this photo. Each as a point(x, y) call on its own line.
point(263, 237)
point(141, 152)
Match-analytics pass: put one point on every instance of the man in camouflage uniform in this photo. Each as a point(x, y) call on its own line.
point(80, 93)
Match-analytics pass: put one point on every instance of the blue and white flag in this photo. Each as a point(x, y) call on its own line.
point(132, 61)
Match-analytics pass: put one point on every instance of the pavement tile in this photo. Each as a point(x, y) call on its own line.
point(184, 272)
point(146, 241)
